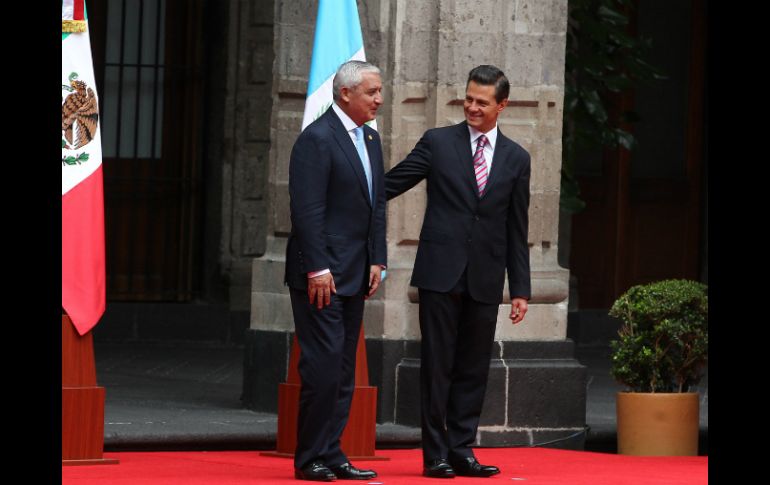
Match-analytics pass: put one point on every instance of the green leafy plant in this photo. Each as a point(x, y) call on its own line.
point(602, 58)
point(663, 341)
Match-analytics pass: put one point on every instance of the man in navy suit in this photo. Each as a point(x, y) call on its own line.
point(334, 258)
point(475, 227)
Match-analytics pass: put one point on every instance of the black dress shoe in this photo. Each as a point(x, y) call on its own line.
point(470, 467)
point(316, 471)
point(439, 468)
point(347, 471)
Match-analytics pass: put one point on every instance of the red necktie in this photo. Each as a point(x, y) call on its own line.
point(480, 165)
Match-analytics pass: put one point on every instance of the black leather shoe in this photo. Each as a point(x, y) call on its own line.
point(439, 468)
point(347, 471)
point(316, 471)
point(470, 467)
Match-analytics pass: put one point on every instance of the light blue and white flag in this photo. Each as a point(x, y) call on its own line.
point(337, 39)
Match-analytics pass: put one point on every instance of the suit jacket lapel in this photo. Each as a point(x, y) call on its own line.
point(349, 149)
point(375, 153)
point(465, 157)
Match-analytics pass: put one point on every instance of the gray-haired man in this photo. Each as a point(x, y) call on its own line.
point(334, 257)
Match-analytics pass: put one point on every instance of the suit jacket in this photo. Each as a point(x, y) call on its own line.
point(462, 231)
point(334, 224)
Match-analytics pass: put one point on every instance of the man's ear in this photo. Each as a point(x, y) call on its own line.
point(345, 94)
point(501, 106)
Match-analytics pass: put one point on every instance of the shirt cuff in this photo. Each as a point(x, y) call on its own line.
point(313, 274)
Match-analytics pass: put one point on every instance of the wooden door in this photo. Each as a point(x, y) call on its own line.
point(645, 209)
point(147, 62)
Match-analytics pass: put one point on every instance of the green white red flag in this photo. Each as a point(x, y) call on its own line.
point(83, 261)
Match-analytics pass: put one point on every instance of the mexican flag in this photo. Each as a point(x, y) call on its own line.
point(82, 237)
point(337, 40)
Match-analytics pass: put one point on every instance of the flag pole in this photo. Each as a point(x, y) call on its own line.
point(83, 258)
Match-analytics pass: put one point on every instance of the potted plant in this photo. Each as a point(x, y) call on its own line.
point(660, 354)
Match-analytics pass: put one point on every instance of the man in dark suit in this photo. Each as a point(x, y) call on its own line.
point(475, 226)
point(334, 258)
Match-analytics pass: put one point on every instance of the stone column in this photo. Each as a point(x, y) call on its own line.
point(269, 338)
point(246, 143)
point(536, 390)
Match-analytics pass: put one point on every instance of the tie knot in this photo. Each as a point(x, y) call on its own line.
point(359, 132)
point(482, 141)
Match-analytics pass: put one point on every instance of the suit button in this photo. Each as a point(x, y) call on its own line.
point(476, 217)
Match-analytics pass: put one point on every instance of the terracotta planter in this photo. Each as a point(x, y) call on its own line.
point(658, 424)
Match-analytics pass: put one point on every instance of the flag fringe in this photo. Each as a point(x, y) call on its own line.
point(73, 26)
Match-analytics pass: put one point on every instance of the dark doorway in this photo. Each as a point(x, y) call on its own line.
point(147, 60)
point(645, 209)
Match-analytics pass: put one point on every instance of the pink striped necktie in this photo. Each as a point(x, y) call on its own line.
point(480, 164)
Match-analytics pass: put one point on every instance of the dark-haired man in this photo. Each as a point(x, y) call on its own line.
point(475, 227)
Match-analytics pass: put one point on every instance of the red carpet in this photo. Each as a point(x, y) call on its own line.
point(528, 466)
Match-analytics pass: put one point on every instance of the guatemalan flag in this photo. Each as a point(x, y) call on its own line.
point(337, 40)
point(82, 237)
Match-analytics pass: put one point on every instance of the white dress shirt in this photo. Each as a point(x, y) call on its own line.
point(489, 148)
point(349, 125)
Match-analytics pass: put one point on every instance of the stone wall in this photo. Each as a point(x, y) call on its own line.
point(425, 50)
point(246, 143)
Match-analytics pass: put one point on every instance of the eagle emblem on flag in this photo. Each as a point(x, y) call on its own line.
point(79, 114)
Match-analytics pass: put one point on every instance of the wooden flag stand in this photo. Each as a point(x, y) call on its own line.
point(358, 438)
point(82, 401)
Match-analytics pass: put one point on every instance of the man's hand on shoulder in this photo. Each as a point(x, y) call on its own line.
point(320, 289)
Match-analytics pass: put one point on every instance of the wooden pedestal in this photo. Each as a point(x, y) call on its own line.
point(82, 401)
point(358, 438)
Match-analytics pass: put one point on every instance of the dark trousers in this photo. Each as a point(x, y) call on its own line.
point(327, 340)
point(457, 338)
